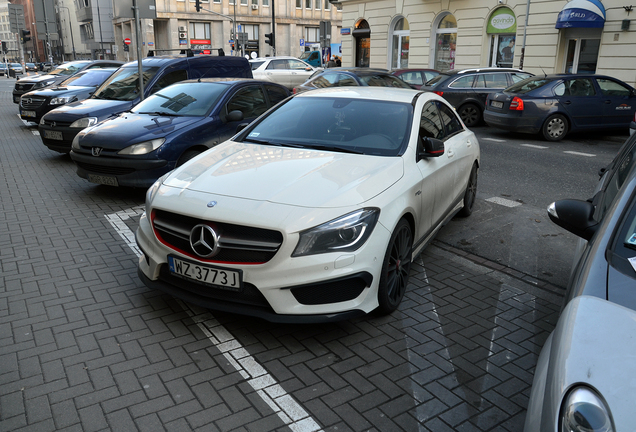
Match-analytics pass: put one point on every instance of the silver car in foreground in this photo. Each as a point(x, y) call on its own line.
point(585, 379)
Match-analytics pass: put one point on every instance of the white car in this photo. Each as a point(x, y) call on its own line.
point(288, 71)
point(315, 211)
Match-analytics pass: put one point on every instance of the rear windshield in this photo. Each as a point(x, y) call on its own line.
point(436, 80)
point(527, 85)
point(123, 85)
point(384, 81)
point(67, 69)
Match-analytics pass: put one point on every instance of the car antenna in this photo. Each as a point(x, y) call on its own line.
point(545, 75)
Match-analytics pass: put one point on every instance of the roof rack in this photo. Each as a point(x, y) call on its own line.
point(188, 52)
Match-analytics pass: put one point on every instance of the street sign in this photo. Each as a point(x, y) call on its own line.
point(302, 42)
point(127, 41)
point(242, 38)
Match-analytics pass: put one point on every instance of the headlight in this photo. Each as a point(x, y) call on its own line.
point(84, 122)
point(152, 190)
point(75, 145)
point(60, 100)
point(583, 410)
point(43, 84)
point(344, 234)
point(142, 148)
point(42, 120)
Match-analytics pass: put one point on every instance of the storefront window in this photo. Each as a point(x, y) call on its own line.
point(400, 44)
point(582, 56)
point(502, 30)
point(445, 43)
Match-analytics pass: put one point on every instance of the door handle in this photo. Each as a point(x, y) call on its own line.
point(567, 102)
point(608, 102)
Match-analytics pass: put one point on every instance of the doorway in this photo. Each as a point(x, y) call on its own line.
point(581, 56)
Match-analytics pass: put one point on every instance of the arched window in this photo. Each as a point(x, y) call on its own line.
point(400, 44)
point(362, 34)
point(445, 43)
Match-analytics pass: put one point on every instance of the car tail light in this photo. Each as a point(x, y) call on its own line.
point(439, 93)
point(294, 91)
point(516, 104)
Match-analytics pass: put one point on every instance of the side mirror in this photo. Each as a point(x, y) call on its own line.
point(574, 216)
point(241, 126)
point(234, 116)
point(430, 147)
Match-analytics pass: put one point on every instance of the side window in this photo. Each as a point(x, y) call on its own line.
point(277, 64)
point(618, 177)
point(430, 124)
point(296, 65)
point(496, 80)
point(326, 80)
point(412, 77)
point(275, 94)
point(345, 80)
point(579, 87)
point(559, 89)
point(314, 56)
point(249, 100)
point(464, 82)
point(612, 88)
point(169, 78)
point(449, 119)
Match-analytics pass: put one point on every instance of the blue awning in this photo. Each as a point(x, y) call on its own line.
point(582, 13)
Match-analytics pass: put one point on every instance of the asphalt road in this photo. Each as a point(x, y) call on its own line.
point(520, 175)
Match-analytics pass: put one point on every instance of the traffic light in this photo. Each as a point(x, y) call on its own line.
point(25, 35)
point(126, 49)
point(197, 5)
point(4, 47)
point(269, 39)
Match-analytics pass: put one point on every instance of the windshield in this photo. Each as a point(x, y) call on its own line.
point(123, 85)
point(187, 99)
point(347, 125)
point(305, 55)
point(67, 69)
point(89, 78)
point(527, 85)
point(384, 81)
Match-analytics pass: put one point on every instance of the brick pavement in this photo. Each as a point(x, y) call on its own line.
point(85, 346)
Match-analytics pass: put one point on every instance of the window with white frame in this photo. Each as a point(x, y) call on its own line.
point(265, 3)
point(318, 4)
point(243, 2)
point(199, 30)
point(312, 35)
point(307, 4)
point(327, 5)
point(299, 4)
point(251, 30)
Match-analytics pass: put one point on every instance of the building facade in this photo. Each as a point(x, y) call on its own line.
point(551, 36)
point(179, 26)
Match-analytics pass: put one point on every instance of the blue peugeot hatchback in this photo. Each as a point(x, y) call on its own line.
point(169, 128)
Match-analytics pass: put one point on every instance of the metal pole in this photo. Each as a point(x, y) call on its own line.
point(138, 40)
point(101, 35)
point(236, 51)
point(273, 28)
point(47, 46)
point(70, 26)
point(525, 32)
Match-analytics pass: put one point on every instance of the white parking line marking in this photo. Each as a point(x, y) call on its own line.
point(504, 202)
point(534, 146)
point(493, 139)
point(288, 410)
point(579, 153)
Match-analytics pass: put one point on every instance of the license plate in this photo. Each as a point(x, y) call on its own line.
point(210, 275)
point(105, 180)
point(29, 114)
point(496, 104)
point(54, 135)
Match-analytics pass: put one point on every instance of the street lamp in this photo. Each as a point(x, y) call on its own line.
point(70, 26)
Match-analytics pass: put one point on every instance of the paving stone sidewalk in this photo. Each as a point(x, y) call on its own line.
point(85, 346)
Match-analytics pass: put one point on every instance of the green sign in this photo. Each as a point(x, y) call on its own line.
point(502, 20)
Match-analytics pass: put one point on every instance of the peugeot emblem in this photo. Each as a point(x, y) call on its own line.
point(204, 241)
point(96, 151)
point(211, 204)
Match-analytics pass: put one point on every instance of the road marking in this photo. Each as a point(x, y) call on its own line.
point(283, 404)
point(579, 153)
point(534, 146)
point(504, 202)
point(493, 139)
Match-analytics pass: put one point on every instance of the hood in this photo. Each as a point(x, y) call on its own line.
point(297, 177)
point(99, 108)
point(40, 78)
point(60, 91)
point(128, 128)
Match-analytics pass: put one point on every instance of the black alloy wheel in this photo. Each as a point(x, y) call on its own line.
point(395, 269)
point(470, 114)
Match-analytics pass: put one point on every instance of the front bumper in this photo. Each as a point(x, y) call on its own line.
point(128, 172)
point(60, 145)
point(316, 288)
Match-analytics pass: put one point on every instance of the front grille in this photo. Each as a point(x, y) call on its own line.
point(32, 103)
point(56, 123)
point(236, 243)
point(23, 87)
point(101, 169)
point(249, 295)
point(333, 291)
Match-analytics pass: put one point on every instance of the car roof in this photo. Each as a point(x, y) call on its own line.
point(481, 69)
point(227, 81)
point(358, 70)
point(372, 93)
point(274, 58)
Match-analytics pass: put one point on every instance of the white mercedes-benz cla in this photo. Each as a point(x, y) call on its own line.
point(315, 211)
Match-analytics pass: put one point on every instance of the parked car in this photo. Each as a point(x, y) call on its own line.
point(46, 66)
point(315, 211)
point(585, 375)
point(15, 69)
point(169, 128)
point(415, 77)
point(36, 103)
point(467, 89)
point(351, 76)
point(30, 67)
point(312, 57)
point(58, 75)
point(120, 92)
point(288, 71)
point(555, 105)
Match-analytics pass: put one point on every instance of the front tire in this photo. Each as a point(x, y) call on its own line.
point(187, 155)
point(395, 269)
point(470, 114)
point(470, 194)
point(555, 128)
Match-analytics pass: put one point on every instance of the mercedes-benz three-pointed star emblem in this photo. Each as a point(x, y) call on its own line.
point(204, 241)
